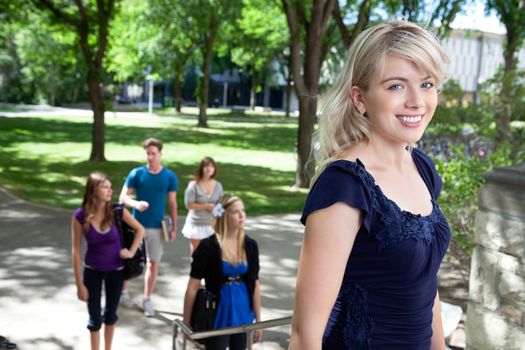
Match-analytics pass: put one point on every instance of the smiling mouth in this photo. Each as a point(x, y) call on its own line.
point(410, 120)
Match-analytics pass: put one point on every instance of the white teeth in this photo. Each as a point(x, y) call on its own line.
point(407, 119)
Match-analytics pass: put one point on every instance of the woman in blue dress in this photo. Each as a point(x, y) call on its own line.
point(374, 233)
point(229, 263)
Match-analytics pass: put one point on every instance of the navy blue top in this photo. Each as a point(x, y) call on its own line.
point(390, 281)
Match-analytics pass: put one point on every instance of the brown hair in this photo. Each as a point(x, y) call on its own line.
point(152, 142)
point(220, 226)
point(204, 163)
point(94, 181)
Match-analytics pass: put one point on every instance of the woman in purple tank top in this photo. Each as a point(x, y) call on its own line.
point(94, 222)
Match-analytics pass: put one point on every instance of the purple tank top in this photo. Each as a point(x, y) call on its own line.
point(103, 249)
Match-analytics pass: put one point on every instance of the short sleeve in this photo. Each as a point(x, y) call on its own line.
point(173, 184)
point(339, 182)
point(131, 180)
point(190, 195)
point(428, 172)
point(79, 215)
point(220, 190)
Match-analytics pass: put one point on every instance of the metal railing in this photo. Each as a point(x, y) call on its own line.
point(248, 328)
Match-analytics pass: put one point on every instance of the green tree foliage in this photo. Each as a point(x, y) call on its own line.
point(56, 78)
point(160, 34)
point(214, 21)
point(462, 177)
point(14, 86)
point(90, 21)
point(262, 38)
point(512, 14)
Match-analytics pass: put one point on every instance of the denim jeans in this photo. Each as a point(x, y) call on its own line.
point(113, 281)
point(221, 342)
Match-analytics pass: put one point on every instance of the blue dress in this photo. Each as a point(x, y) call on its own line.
point(390, 281)
point(234, 307)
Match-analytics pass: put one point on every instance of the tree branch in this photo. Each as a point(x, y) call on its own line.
point(295, 49)
point(341, 25)
point(58, 13)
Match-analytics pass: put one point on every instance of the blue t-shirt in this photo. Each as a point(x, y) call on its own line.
point(153, 189)
point(390, 281)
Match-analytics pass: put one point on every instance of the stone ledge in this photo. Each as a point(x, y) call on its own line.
point(500, 233)
point(489, 331)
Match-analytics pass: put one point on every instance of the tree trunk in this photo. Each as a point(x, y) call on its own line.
point(287, 96)
point(97, 105)
point(177, 83)
point(253, 94)
point(305, 165)
point(203, 93)
point(504, 114)
point(206, 70)
point(306, 79)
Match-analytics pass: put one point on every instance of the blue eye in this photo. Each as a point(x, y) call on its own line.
point(394, 87)
point(427, 85)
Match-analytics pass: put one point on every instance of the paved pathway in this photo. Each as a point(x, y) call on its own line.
point(38, 300)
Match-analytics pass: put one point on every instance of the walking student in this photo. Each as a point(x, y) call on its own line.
point(150, 185)
point(200, 198)
point(375, 235)
point(94, 223)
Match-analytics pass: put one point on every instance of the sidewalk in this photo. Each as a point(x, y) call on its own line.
point(38, 300)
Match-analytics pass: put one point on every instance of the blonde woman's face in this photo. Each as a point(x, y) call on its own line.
point(400, 101)
point(235, 215)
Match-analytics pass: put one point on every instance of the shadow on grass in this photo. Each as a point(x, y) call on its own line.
point(250, 136)
point(61, 184)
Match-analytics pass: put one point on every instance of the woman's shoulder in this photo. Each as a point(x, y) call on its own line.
point(210, 242)
point(79, 214)
point(343, 173)
point(249, 241)
point(341, 181)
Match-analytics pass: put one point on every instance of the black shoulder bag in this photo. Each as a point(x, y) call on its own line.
point(203, 312)
point(133, 266)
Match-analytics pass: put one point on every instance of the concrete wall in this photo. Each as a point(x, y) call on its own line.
point(496, 309)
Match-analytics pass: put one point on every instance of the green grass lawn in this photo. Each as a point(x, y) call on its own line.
point(44, 159)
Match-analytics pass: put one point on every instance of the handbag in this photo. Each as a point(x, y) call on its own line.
point(133, 266)
point(203, 312)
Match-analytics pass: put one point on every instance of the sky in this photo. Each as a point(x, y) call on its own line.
point(475, 18)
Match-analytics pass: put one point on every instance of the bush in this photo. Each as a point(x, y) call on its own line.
point(462, 179)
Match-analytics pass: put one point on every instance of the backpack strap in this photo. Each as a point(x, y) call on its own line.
point(117, 210)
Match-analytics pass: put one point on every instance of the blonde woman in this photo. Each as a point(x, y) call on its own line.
point(94, 222)
point(374, 233)
point(229, 263)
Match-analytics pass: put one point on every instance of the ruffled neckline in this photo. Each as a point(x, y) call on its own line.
point(366, 177)
point(396, 224)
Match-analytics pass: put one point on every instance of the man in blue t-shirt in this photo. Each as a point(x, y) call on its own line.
point(150, 184)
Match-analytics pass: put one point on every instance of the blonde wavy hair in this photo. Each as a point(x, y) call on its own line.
point(340, 123)
point(220, 226)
